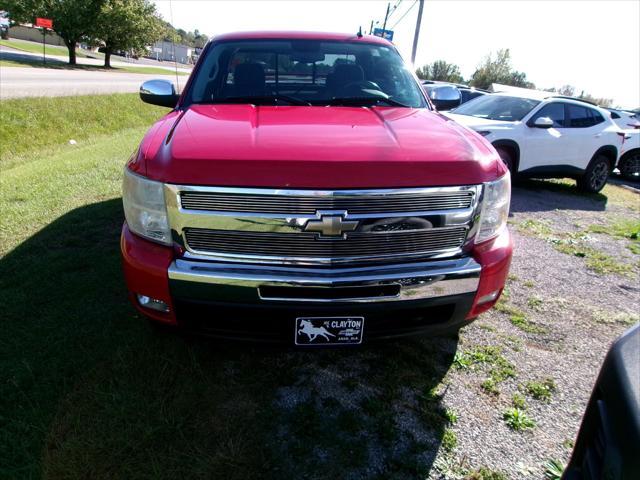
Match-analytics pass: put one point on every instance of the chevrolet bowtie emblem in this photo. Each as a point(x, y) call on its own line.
point(331, 226)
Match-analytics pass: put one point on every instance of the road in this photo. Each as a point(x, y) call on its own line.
point(38, 82)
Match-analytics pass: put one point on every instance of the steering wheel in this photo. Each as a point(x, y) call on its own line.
point(355, 88)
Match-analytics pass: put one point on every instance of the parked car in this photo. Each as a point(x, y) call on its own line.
point(547, 137)
point(608, 444)
point(624, 119)
point(629, 163)
point(445, 94)
point(320, 202)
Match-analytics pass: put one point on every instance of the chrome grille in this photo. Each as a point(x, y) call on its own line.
point(306, 245)
point(307, 205)
point(261, 225)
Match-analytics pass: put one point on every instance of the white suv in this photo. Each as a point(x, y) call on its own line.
point(548, 137)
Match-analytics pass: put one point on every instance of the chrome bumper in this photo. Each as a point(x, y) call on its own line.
point(242, 283)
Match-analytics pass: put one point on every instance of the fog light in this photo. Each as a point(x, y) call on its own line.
point(490, 297)
point(152, 303)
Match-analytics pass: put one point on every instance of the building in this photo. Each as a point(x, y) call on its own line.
point(168, 51)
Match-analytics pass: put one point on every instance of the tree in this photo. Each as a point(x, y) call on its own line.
point(498, 69)
point(603, 102)
point(570, 91)
point(127, 25)
point(72, 19)
point(191, 39)
point(567, 90)
point(441, 71)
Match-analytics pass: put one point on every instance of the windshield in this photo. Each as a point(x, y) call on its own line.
point(497, 107)
point(304, 72)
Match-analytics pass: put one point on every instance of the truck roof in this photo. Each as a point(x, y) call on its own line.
point(294, 35)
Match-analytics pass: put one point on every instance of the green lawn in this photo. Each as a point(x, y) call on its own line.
point(33, 127)
point(34, 47)
point(89, 390)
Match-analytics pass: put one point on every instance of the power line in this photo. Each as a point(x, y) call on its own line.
point(404, 14)
point(394, 8)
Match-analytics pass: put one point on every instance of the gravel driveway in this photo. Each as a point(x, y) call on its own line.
point(435, 408)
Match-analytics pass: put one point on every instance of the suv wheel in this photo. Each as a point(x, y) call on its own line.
point(505, 156)
point(630, 166)
point(595, 176)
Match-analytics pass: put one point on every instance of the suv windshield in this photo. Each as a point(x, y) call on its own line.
point(304, 72)
point(497, 107)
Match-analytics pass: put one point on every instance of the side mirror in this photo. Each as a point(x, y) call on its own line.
point(543, 122)
point(444, 97)
point(159, 92)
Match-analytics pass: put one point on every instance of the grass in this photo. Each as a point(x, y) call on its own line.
point(610, 318)
point(595, 260)
point(553, 469)
point(34, 47)
point(535, 303)
point(541, 390)
point(484, 473)
point(518, 420)
point(499, 368)
point(52, 121)
point(518, 401)
point(89, 390)
point(449, 440)
point(627, 228)
point(577, 244)
point(518, 318)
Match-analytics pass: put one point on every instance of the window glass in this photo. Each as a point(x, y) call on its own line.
point(312, 71)
point(597, 118)
point(497, 107)
point(555, 111)
point(580, 117)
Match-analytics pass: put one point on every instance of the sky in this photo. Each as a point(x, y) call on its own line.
point(593, 45)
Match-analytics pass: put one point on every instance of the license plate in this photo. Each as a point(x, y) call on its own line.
point(329, 330)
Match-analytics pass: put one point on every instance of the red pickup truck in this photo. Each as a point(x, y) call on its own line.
point(303, 189)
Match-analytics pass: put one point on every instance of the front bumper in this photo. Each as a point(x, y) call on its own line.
point(262, 302)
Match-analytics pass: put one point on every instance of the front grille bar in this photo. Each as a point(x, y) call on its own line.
point(260, 225)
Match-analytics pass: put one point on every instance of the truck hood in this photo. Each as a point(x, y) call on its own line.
point(315, 147)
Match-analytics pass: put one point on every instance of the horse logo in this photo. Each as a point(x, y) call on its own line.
point(312, 332)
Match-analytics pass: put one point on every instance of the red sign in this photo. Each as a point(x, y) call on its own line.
point(44, 22)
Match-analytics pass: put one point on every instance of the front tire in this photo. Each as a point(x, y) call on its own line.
point(507, 159)
point(595, 176)
point(629, 166)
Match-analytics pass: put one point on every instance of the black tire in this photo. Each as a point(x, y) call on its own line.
point(507, 159)
point(595, 176)
point(629, 166)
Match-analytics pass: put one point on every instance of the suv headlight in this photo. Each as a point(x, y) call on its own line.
point(144, 207)
point(495, 208)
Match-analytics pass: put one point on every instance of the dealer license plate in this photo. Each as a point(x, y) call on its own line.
point(329, 330)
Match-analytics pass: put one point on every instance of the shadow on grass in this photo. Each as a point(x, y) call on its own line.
point(91, 391)
point(22, 59)
point(546, 195)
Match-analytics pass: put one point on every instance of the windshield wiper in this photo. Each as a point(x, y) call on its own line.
point(260, 99)
point(366, 101)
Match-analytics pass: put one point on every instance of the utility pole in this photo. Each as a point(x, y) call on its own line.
point(384, 26)
point(371, 28)
point(417, 34)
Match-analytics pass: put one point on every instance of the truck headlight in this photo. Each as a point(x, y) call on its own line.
point(495, 208)
point(144, 207)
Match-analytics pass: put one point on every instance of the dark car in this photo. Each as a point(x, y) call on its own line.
point(446, 96)
point(608, 444)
